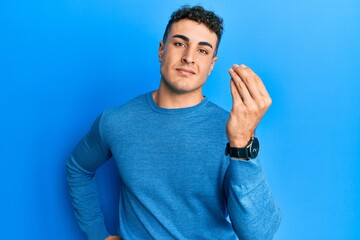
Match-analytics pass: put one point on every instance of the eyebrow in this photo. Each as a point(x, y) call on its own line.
point(185, 38)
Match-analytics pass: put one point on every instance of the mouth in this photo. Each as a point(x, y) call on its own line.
point(185, 71)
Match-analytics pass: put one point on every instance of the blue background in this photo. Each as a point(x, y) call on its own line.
point(63, 62)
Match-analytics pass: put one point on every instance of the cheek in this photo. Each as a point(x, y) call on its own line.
point(165, 68)
point(207, 68)
point(167, 60)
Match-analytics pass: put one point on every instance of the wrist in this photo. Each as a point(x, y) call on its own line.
point(250, 151)
point(113, 237)
point(238, 144)
point(241, 142)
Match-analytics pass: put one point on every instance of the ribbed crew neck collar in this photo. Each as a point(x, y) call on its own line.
point(191, 109)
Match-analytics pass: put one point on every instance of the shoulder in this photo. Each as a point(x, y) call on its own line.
point(213, 117)
point(124, 113)
point(133, 105)
point(216, 111)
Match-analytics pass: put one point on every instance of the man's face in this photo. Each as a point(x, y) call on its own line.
point(187, 57)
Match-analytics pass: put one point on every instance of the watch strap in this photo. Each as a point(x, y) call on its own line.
point(246, 153)
point(237, 152)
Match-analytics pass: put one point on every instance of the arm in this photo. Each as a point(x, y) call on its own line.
point(90, 153)
point(251, 206)
point(252, 209)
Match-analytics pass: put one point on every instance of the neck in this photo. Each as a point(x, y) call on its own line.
point(165, 98)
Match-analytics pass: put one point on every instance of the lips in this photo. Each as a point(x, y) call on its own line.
point(185, 71)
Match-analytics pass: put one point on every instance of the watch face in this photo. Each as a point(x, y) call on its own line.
point(254, 148)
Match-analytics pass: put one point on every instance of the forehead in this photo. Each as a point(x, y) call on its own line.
point(196, 32)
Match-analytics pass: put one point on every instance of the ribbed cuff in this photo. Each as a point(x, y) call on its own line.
point(246, 175)
point(97, 232)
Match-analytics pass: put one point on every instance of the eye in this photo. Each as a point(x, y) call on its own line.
point(203, 51)
point(179, 44)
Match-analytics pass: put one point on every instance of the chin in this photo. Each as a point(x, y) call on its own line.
point(185, 90)
point(181, 85)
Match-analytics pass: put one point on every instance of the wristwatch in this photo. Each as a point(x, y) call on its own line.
point(246, 153)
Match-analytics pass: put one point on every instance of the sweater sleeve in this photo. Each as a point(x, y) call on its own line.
point(90, 153)
point(252, 209)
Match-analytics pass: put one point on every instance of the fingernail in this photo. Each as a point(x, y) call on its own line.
point(235, 65)
point(243, 66)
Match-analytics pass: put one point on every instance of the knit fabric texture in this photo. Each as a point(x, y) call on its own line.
point(175, 180)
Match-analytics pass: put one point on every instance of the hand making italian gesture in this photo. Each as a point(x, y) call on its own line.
point(250, 102)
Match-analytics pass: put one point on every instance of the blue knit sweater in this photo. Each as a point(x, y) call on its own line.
point(176, 182)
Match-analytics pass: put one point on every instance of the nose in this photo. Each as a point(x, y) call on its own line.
point(188, 56)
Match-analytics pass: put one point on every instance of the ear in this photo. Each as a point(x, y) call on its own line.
point(161, 50)
point(213, 61)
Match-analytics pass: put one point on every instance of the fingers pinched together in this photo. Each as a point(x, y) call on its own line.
point(250, 102)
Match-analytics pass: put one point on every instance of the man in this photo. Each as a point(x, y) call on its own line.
point(176, 182)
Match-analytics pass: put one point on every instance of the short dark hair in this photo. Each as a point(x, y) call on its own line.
point(200, 15)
